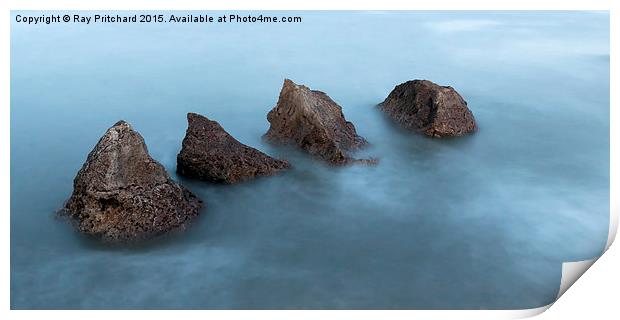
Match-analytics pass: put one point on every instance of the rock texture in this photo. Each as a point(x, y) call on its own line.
point(210, 153)
point(313, 121)
point(121, 193)
point(435, 110)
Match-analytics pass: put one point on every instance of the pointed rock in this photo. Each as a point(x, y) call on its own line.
point(121, 193)
point(312, 121)
point(424, 106)
point(210, 153)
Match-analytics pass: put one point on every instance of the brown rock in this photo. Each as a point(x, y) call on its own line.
point(313, 121)
point(210, 153)
point(424, 106)
point(121, 193)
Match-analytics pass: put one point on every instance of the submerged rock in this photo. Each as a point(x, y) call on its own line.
point(435, 110)
point(314, 122)
point(121, 193)
point(210, 153)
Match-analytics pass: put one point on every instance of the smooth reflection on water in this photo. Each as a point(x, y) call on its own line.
point(483, 221)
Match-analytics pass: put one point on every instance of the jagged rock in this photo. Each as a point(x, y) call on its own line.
point(121, 193)
point(313, 121)
point(210, 153)
point(424, 106)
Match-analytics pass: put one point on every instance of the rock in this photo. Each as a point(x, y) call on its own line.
point(424, 106)
point(210, 153)
point(312, 121)
point(121, 193)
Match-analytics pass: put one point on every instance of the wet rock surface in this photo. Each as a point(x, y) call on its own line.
point(210, 153)
point(434, 110)
point(123, 194)
point(311, 120)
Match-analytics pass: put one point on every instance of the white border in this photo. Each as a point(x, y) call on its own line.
point(314, 5)
point(611, 5)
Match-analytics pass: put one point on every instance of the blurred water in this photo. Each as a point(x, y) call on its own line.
point(483, 221)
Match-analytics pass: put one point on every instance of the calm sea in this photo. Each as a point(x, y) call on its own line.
point(480, 222)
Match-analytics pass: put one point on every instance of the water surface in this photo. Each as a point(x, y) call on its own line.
point(479, 222)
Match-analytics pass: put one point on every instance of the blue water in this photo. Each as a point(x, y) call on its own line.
point(479, 222)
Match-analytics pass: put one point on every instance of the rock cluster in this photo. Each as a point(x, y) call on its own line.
point(121, 193)
point(424, 106)
point(311, 120)
point(210, 153)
